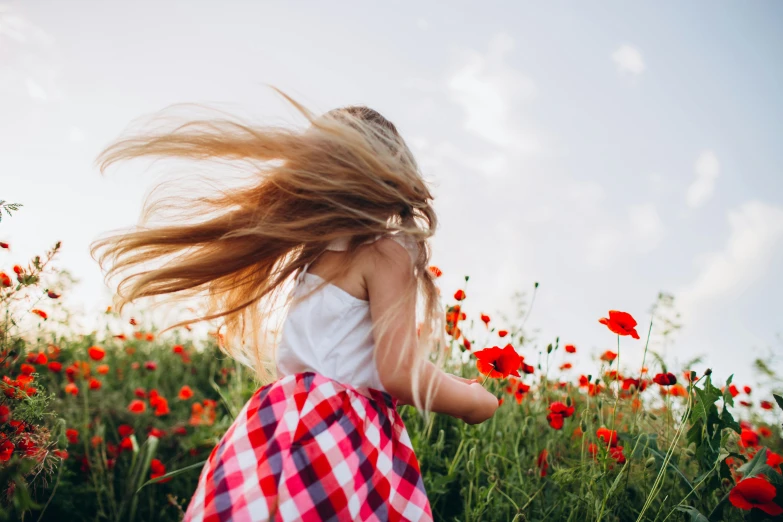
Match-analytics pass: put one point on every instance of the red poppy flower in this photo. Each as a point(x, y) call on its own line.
point(665, 379)
point(161, 407)
point(53, 295)
point(746, 404)
point(157, 469)
point(121, 337)
point(620, 323)
point(125, 430)
point(5, 280)
point(561, 409)
point(155, 432)
point(555, 420)
point(459, 295)
point(4, 245)
point(592, 448)
point(103, 369)
point(566, 366)
point(27, 369)
point(136, 406)
point(733, 390)
point(150, 337)
point(133, 321)
point(151, 365)
point(542, 463)
point(570, 348)
point(755, 492)
point(502, 333)
point(485, 320)
point(616, 453)
point(177, 348)
point(519, 394)
point(72, 389)
point(583, 381)
point(748, 438)
point(96, 441)
point(435, 271)
point(140, 393)
point(95, 384)
point(767, 405)
point(126, 444)
point(5, 413)
point(527, 368)
point(774, 460)
point(96, 353)
point(18, 269)
point(6, 450)
point(608, 356)
point(465, 343)
point(180, 430)
point(39, 313)
point(746, 389)
point(185, 393)
point(765, 432)
point(678, 390)
point(607, 436)
point(63, 454)
point(496, 362)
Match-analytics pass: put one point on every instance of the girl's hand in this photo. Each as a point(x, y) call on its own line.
point(483, 404)
point(462, 379)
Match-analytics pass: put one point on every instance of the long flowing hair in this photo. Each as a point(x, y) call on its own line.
point(348, 174)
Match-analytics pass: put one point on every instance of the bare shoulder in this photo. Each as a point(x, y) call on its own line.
point(386, 262)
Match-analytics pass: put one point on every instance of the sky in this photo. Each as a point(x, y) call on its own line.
point(608, 152)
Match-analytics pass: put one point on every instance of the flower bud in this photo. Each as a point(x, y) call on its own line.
point(649, 462)
point(708, 371)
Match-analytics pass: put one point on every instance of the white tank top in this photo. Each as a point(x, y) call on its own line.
point(330, 332)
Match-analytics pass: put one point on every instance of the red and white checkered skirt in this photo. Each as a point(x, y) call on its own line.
point(306, 447)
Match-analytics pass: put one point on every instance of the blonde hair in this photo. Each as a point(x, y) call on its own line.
point(349, 174)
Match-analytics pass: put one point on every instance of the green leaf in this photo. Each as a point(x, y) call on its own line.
point(172, 474)
point(727, 421)
point(779, 400)
point(695, 514)
point(754, 467)
point(727, 397)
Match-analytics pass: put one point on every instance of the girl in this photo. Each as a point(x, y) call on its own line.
point(342, 209)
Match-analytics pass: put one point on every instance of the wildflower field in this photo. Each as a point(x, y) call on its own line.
point(115, 425)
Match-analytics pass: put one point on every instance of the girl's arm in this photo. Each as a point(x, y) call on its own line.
point(389, 273)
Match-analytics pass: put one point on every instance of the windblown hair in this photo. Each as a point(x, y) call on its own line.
point(348, 174)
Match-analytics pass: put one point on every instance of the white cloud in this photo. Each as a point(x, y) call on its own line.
point(628, 59)
point(707, 168)
point(35, 91)
point(75, 134)
point(488, 89)
point(646, 227)
point(756, 234)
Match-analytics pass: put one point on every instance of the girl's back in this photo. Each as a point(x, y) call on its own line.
point(330, 332)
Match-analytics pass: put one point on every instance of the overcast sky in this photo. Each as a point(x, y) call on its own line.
point(608, 151)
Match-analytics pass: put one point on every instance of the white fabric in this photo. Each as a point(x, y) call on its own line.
point(330, 332)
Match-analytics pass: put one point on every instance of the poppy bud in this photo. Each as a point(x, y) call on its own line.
point(568, 401)
point(466, 278)
point(650, 462)
point(583, 425)
point(549, 348)
point(708, 372)
point(600, 404)
point(535, 285)
point(589, 378)
point(690, 452)
point(652, 416)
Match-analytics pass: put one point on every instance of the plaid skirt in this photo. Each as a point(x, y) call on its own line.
point(308, 448)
